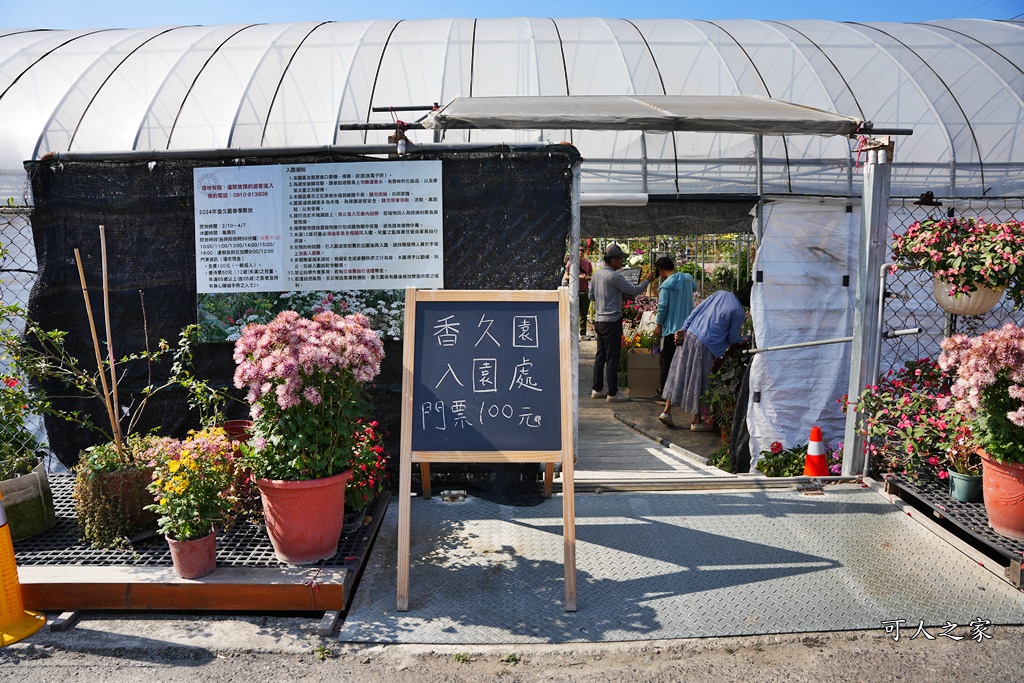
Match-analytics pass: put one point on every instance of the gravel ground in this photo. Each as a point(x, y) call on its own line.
point(259, 648)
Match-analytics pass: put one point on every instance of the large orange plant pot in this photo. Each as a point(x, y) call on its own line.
point(1002, 486)
point(304, 518)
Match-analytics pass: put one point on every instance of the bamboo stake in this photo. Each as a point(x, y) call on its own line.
point(99, 358)
point(110, 339)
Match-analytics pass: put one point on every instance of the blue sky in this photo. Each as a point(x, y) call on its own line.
point(114, 14)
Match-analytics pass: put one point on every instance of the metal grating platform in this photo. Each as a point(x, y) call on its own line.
point(244, 544)
point(970, 518)
point(670, 565)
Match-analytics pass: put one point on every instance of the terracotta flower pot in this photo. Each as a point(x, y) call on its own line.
point(238, 430)
point(304, 518)
point(196, 558)
point(1003, 490)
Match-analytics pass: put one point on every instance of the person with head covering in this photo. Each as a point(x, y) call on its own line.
point(706, 335)
point(675, 302)
point(607, 288)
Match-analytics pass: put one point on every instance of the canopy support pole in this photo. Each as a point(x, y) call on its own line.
point(759, 154)
point(867, 332)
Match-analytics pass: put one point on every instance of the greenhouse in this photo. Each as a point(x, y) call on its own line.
point(947, 93)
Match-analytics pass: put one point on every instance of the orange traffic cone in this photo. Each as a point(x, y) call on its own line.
point(815, 465)
point(15, 622)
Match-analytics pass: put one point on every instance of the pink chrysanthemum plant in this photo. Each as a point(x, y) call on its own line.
point(966, 253)
point(989, 388)
point(305, 380)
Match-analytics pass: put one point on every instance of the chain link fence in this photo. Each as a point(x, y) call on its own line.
point(910, 301)
point(18, 265)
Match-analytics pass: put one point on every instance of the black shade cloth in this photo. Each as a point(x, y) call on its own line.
point(507, 218)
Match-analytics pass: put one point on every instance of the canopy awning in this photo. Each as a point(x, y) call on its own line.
point(651, 113)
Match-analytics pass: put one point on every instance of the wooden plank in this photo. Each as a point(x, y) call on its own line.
point(54, 588)
point(486, 456)
point(530, 296)
point(568, 457)
point(549, 479)
point(65, 621)
point(405, 453)
point(425, 480)
point(328, 622)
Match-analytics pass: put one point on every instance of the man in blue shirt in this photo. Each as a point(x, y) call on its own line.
point(706, 335)
point(606, 290)
point(675, 303)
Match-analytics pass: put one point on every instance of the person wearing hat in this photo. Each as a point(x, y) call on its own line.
point(606, 290)
point(675, 302)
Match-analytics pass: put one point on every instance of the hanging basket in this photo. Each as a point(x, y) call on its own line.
point(977, 302)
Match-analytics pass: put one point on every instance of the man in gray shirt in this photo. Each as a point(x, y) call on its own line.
point(606, 289)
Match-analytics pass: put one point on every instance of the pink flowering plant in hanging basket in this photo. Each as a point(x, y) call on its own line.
point(966, 253)
point(305, 379)
point(989, 388)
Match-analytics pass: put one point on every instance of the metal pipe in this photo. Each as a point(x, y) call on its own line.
point(412, 125)
point(411, 107)
point(798, 345)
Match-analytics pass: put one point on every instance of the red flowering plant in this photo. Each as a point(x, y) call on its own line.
point(18, 445)
point(966, 253)
point(305, 382)
point(779, 461)
point(368, 473)
point(962, 456)
point(989, 388)
point(908, 420)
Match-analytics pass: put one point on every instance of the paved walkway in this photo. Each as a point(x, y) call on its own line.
point(662, 564)
point(659, 565)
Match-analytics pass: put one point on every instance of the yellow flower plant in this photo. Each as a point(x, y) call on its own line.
point(192, 481)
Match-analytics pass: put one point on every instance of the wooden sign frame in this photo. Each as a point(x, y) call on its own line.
point(564, 456)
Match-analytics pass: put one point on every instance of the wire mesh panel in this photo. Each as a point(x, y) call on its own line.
point(910, 301)
point(18, 265)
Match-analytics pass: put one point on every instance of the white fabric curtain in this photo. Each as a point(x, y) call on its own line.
point(807, 250)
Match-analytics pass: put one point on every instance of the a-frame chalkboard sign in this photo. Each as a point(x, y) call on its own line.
point(486, 378)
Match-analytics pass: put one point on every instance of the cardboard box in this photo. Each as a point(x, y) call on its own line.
point(643, 369)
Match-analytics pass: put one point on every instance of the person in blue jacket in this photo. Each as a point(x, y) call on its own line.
point(606, 290)
point(705, 336)
point(675, 303)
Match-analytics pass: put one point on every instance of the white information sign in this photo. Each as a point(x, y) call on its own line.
point(319, 226)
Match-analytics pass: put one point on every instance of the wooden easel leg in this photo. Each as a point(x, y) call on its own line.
point(425, 479)
point(569, 531)
point(549, 479)
point(404, 508)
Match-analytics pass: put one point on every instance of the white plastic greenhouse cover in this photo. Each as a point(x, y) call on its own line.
point(958, 84)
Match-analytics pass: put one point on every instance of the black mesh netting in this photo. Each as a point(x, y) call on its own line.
point(507, 217)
